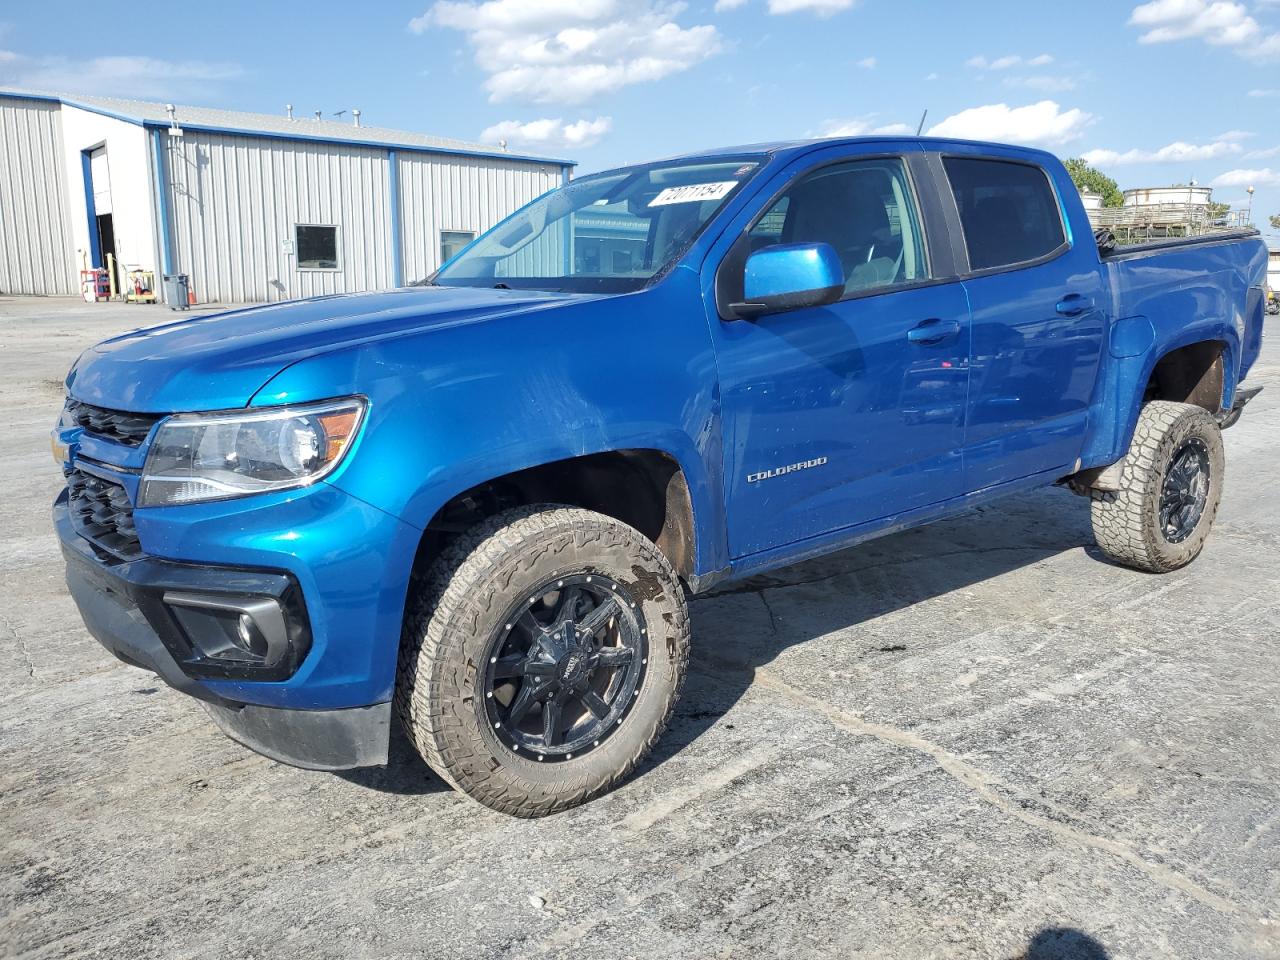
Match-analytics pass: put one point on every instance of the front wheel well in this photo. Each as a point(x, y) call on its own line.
point(645, 489)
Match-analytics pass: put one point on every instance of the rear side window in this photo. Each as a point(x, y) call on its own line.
point(1008, 210)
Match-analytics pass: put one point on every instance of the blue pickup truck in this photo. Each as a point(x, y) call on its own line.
point(479, 503)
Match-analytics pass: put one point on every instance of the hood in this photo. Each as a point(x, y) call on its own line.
point(219, 361)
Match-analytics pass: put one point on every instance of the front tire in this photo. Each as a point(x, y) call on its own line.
point(1169, 493)
point(542, 658)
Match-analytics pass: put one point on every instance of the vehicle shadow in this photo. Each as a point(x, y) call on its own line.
point(406, 773)
point(1063, 943)
point(926, 562)
point(731, 639)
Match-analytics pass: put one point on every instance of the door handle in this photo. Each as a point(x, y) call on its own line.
point(933, 331)
point(1073, 304)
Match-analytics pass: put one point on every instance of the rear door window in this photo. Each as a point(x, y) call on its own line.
point(1008, 210)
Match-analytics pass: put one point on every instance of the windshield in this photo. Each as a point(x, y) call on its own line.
point(611, 232)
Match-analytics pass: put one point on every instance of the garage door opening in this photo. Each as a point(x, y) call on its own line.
point(97, 195)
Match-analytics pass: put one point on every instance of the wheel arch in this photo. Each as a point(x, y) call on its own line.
point(1195, 368)
point(647, 488)
point(1197, 365)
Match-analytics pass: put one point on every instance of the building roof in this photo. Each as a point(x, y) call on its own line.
point(146, 113)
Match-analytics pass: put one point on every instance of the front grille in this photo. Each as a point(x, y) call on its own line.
point(102, 514)
point(127, 428)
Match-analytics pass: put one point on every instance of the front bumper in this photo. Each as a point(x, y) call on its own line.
point(124, 606)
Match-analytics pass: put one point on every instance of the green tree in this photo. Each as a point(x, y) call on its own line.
point(1219, 211)
point(1083, 175)
point(1275, 221)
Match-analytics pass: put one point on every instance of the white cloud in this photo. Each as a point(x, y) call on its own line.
point(867, 63)
point(548, 133)
point(1223, 145)
point(1008, 62)
point(1222, 23)
point(932, 76)
point(823, 8)
point(1044, 123)
point(570, 51)
point(1176, 152)
point(1266, 154)
point(1266, 177)
point(1264, 93)
point(120, 76)
point(863, 127)
point(1045, 83)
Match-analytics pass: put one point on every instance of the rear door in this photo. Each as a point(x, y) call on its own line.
point(1037, 297)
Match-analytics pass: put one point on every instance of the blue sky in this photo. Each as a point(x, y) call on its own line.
point(1154, 93)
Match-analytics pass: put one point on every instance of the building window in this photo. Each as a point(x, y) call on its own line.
point(452, 242)
point(317, 247)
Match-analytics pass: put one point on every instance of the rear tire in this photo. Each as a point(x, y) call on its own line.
point(570, 619)
point(1170, 488)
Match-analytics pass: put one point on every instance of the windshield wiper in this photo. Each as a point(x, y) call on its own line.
point(501, 286)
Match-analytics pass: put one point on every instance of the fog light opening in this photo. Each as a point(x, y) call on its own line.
point(249, 631)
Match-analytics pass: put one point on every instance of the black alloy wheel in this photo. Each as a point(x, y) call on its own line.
point(1185, 490)
point(564, 667)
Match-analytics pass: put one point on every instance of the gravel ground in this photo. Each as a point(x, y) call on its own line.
point(972, 739)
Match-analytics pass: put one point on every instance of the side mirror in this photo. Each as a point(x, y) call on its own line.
point(788, 276)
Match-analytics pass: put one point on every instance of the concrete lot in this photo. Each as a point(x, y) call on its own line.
point(973, 739)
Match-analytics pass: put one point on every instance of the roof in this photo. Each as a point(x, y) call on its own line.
point(146, 113)
point(791, 148)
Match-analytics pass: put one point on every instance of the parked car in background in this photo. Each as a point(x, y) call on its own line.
point(485, 500)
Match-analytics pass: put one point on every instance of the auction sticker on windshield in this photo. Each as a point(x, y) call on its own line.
point(693, 193)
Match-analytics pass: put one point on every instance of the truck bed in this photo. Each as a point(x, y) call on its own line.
point(1131, 251)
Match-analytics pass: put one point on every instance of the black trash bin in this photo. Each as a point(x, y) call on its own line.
point(176, 287)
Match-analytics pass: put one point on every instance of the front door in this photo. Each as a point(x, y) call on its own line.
point(840, 415)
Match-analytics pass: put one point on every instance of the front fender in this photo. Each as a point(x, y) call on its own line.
point(449, 409)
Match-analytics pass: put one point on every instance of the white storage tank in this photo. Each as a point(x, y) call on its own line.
point(1192, 195)
point(1091, 200)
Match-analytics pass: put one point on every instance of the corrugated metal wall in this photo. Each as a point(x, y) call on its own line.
point(235, 202)
point(440, 192)
point(37, 254)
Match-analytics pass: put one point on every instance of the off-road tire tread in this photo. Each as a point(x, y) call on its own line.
point(435, 679)
point(1124, 521)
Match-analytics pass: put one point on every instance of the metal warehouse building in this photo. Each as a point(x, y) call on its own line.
point(251, 207)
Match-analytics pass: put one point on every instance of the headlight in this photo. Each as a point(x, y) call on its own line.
point(214, 456)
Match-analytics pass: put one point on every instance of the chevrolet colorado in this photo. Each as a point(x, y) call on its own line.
point(480, 502)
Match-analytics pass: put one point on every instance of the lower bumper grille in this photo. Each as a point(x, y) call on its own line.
point(102, 514)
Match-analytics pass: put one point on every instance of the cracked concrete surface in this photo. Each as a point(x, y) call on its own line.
point(972, 739)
